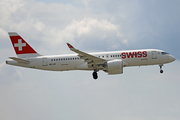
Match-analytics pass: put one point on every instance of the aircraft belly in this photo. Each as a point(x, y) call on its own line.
point(133, 61)
point(83, 66)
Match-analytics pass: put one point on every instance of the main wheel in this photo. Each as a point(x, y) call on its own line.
point(161, 71)
point(95, 76)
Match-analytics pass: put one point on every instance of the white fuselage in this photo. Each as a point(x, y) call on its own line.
point(74, 62)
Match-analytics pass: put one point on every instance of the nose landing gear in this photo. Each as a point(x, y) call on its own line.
point(161, 71)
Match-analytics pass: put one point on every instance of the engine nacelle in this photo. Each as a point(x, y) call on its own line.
point(115, 66)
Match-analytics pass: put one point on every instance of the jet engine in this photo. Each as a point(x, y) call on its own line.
point(114, 67)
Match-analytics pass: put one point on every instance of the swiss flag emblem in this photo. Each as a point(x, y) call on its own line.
point(20, 45)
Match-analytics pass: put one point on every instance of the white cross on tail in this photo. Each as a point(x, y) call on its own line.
point(20, 44)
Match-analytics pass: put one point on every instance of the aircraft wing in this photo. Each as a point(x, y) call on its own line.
point(90, 59)
point(19, 60)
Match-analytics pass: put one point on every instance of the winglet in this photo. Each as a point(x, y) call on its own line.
point(70, 46)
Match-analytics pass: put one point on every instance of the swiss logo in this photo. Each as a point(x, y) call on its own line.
point(134, 54)
point(20, 45)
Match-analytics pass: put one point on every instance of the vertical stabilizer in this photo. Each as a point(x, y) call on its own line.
point(21, 47)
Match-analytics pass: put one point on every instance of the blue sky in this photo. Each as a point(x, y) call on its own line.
point(90, 25)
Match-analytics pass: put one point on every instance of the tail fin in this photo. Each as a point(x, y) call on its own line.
point(21, 47)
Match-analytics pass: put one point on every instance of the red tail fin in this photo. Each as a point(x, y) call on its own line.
point(21, 47)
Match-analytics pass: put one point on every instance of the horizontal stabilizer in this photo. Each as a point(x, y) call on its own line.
point(19, 60)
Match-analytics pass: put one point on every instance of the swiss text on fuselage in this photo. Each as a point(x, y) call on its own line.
point(138, 54)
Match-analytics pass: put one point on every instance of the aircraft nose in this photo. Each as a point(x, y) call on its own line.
point(171, 58)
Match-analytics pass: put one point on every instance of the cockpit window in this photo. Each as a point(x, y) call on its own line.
point(164, 53)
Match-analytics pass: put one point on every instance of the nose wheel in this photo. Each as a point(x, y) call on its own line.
point(161, 71)
point(95, 75)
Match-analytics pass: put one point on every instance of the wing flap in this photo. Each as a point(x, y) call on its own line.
point(19, 60)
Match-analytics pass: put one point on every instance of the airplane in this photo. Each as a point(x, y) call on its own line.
point(110, 62)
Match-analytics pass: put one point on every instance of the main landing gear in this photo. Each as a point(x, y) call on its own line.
point(161, 71)
point(95, 75)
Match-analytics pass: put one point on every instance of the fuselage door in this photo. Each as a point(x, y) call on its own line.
point(44, 61)
point(154, 55)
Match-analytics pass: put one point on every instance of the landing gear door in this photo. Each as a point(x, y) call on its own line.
point(44, 62)
point(154, 55)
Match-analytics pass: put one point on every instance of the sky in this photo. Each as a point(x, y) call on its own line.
point(140, 93)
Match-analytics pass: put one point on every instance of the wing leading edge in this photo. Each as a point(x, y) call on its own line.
point(91, 60)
